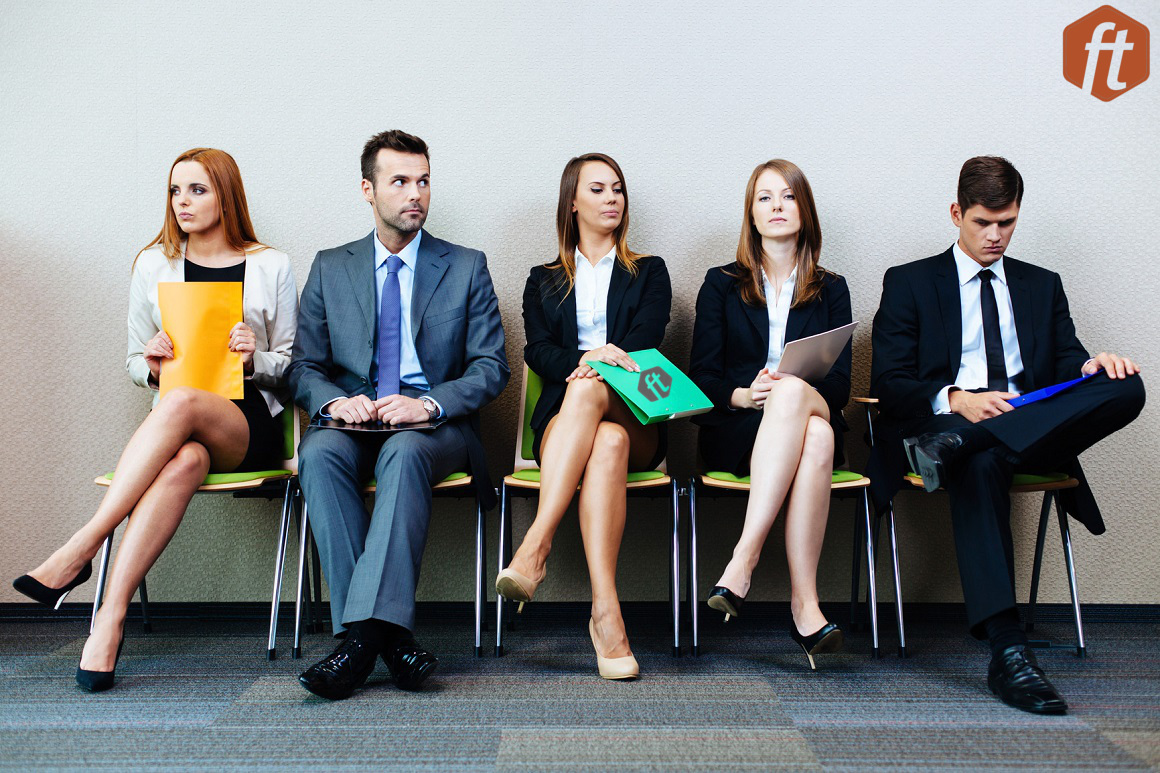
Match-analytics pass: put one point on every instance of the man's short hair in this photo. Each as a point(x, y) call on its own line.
point(991, 181)
point(390, 140)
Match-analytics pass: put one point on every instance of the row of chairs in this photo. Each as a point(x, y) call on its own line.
point(524, 482)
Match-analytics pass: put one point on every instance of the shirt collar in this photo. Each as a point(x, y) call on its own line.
point(968, 268)
point(409, 254)
point(791, 279)
point(579, 256)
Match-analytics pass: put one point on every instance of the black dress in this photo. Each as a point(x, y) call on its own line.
point(265, 449)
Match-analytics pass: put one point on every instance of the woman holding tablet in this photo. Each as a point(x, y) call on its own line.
point(781, 431)
point(206, 236)
point(595, 301)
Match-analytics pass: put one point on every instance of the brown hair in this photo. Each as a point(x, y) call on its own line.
point(992, 181)
point(226, 181)
point(747, 269)
point(568, 232)
point(390, 140)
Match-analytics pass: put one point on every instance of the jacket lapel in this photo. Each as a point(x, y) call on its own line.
point(1021, 310)
point(617, 287)
point(360, 269)
point(950, 304)
point(429, 270)
point(795, 323)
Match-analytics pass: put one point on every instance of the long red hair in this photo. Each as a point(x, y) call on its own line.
point(568, 231)
point(747, 269)
point(226, 180)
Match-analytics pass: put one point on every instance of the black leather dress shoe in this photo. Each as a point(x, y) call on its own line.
point(342, 672)
point(930, 454)
point(1015, 676)
point(409, 663)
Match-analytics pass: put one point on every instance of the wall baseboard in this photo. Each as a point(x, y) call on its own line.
point(949, 613)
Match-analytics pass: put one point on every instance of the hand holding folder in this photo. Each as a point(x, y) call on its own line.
point(659, 392)
point(198, 317)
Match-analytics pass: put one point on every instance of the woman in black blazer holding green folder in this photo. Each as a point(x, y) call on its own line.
point(596, 301)
point(781, 431)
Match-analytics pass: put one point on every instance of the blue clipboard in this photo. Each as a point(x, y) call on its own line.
point(1043, 394)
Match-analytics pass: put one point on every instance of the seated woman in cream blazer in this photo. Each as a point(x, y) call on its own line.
point(207, 236)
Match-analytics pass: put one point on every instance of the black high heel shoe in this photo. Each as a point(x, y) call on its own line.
point(828, 638)
point(724, 600)
point(50, 597)
point(99, 681)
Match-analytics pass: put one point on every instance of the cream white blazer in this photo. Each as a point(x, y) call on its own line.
point(269, 307)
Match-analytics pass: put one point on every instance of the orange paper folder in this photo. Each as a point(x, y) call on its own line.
point(198, 317)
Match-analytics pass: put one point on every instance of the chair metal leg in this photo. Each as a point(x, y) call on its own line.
point(501, 561)
point(102, 574)
point(675, 568)
point(480, 546)
point(897, 583)
point(693, 601)
point(856, 572)
point(279, 564)
point(1044, 516)
point(303, 536)
point(871, 583)
point(1065, 536)
point(143, 592)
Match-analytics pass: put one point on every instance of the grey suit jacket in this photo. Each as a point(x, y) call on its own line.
point(454, 317)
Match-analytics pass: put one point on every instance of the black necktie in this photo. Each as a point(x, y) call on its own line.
point(992, 337)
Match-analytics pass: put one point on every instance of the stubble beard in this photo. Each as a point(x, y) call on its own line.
point(403, 225)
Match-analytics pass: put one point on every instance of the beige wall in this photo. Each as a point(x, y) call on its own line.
point(879, 107)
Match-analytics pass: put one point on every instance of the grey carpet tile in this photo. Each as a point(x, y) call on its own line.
point(955, 748)
point(1143, 745)
point(200, 695)
point(704, 748)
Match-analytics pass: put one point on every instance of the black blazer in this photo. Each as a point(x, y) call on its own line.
point(918, 348)
point(638, 311)
point(731, 341)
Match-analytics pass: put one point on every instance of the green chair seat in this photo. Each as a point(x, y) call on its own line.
point(533, 475)
point(838, 476)
point(448, 479)
point(1020, 479)
point(223, 478)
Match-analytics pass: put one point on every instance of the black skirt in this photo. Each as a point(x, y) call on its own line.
point(265, 450)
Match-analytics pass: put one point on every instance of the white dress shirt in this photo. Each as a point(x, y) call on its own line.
point(972, 372)
point(591, 288)
point(778, 316)
point(410, 371)
point(269, 307)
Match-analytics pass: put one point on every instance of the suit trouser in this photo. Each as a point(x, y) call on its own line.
point(372, 561)
point(1038, 437)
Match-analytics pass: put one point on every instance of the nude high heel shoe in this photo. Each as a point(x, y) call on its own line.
point(513, 586)
point(613, 668)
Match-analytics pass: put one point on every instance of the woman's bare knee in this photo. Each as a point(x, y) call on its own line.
point(587, 392)
point(788, 396)
point(191, 462)
point(611, 443)
point(818, 448)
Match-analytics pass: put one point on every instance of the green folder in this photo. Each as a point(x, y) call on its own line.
point(659, 392)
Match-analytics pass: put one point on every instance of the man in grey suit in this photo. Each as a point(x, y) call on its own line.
point(398, 327)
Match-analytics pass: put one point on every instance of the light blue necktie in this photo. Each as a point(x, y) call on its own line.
point(390, 312)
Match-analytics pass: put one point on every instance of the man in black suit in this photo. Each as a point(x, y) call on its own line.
point(956, 336)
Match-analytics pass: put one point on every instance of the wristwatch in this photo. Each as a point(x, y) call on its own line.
point(431, 406)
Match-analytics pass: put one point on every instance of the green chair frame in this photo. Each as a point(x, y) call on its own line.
point(843, 484)
point(525, 482)
point(1049, 485)
point(267, 484)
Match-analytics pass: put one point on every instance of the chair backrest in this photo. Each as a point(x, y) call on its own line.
point(533, 386)
point(291, 434)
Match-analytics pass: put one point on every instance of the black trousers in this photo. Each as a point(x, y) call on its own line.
point(1041, 437)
